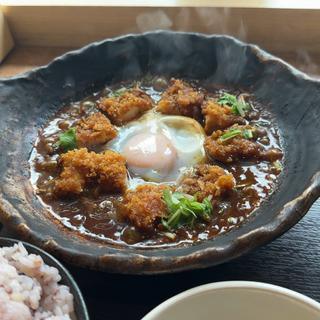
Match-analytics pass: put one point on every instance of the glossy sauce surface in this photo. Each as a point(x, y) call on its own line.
point(95, 215)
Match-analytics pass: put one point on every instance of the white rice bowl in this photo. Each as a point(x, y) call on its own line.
point(30, 289)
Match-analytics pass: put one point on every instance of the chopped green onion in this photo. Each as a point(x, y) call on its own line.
point(117, 93)
point(231, 134)
point(237, 107)
point(170, 235)
point(227, 99)
point(67, 140)
point(88, 104)
point(184, 209)
point(277, 165)
point(245, 133)
point(232, 220)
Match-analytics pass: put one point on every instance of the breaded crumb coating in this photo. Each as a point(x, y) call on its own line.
point(181, 99)
point(206, 180)
point(144, 206)
point(238, 147)
point(218, 117)
point(126, 107)
point(81, 169)
point(94, 130)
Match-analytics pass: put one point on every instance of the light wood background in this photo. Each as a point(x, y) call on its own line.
point(290, 4)
point(282, 30)
point(42, 30)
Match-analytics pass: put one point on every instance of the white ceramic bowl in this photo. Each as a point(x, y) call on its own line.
point(237, 300)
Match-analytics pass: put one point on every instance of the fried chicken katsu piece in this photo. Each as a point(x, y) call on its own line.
point(144, 206)
point(238, 143)
point(129, 105)
point(206, 180)
point(181, 99)
point(219, 117)
point(81, 169)
point(94, 130)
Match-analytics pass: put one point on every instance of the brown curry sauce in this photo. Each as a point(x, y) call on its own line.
point(95, 215)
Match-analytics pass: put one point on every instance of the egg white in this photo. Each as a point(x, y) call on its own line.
point(185, 134)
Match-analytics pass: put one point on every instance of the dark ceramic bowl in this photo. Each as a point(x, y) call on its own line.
point(81, 312)
point(27, 101)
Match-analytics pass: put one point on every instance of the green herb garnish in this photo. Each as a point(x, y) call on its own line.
point(232, 220)
point(246, 133)
point(68, 140)
point(231, 134)
point(277, 165)
point(117, 93)
point(170, 235)
point(237, 107)
point(184, 209)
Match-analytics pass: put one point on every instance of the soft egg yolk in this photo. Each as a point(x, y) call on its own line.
point(150, 151)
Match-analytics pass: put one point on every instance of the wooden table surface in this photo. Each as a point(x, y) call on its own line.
point(292, 261)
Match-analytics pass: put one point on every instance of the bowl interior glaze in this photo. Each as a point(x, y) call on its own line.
point(27, 102)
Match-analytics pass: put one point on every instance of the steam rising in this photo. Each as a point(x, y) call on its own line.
point(210, 20)
point(157, 19)
point(306, 63)
point(216, 21)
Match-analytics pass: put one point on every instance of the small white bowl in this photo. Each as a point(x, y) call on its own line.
point(237, 300)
